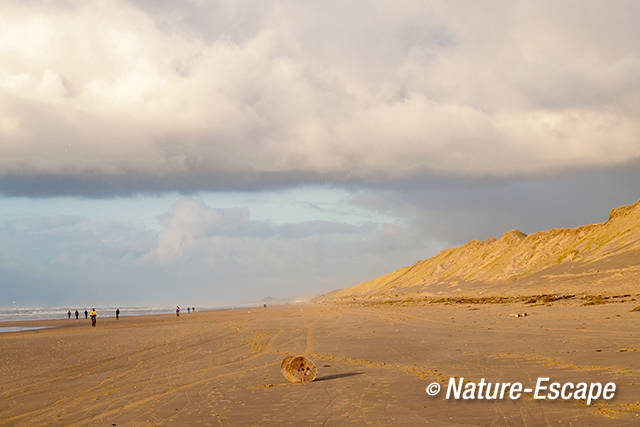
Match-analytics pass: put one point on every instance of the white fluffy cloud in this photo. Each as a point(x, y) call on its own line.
point(158, 96)
point(198, 236)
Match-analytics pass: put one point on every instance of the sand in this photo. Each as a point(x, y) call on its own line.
point(374, 363)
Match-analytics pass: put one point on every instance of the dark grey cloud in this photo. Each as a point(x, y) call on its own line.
point(309, 228)
point(126, 183)
point(462, 210)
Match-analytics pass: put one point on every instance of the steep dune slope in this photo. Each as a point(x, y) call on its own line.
point(602, 257)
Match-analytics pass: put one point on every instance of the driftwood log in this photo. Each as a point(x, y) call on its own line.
point(298, 369)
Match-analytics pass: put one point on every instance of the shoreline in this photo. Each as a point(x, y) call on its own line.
point(77, 322)
point(123, 313)
point(11, 329)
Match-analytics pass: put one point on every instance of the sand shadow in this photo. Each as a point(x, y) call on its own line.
point(336, 376)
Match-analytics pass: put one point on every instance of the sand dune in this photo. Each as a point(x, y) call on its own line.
point(591, 259)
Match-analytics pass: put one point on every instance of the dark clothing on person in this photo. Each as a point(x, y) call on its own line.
point(86, 314)
point(77, 314)
point(117, 313)
point(69, 314)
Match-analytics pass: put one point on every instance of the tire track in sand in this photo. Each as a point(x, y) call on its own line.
point(265, 349)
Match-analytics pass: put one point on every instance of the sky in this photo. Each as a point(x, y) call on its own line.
point(219, 152)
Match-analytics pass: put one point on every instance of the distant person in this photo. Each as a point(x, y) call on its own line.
point(178, 310)
point(117, 313)
point(193, 309)
point(77, 314)
point(188, 309)
point(94, 315)
point(86, 314)
point(69, 314)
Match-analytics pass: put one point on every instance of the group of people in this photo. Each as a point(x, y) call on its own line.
point(189, 310)
point(93, 314)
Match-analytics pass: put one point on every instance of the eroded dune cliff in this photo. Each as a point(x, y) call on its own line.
point(595, 258)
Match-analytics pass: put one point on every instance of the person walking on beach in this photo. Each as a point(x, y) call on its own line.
point(178, 310)
point(188, 309)
point(86, 314)
point(94, 315)
point(117, 313)
point(69, 314)
point(77, 314)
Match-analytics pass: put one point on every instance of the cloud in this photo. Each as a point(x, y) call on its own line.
point(455, 211)
point(227, 253)
point(211, 256)
point(103, 98)
point(195, 233)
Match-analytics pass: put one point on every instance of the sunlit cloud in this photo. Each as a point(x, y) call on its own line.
point(118, 97)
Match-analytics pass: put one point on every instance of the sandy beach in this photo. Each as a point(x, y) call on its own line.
point(374, 364)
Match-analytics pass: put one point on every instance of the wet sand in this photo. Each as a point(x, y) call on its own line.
point(374, 364)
